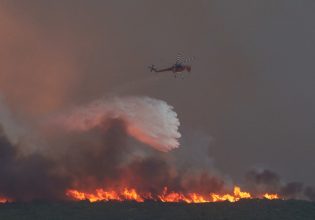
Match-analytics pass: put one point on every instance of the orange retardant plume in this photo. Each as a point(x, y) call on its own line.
point(130, 194)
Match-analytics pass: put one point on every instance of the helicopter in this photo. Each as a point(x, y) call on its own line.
point(179, 67)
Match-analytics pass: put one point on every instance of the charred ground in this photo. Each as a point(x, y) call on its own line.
point(244, 209)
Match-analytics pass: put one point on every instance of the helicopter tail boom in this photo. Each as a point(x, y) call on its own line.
point(152, 68)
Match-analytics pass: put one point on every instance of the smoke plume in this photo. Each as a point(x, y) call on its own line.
point(106, 157)
point(259, 181)
point(27, 178)
point(100, 145)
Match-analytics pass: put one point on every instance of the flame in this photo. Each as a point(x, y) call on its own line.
point(271, 196)
point(132, 195)
point(102, 195)
point(179, 197)
point(173, 197)
point(236, 196)
point(165, 196)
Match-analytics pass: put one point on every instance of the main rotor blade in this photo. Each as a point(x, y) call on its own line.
point(179, 58)
point(188, 59)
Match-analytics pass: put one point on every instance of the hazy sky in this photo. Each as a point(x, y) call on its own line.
point(251, 88)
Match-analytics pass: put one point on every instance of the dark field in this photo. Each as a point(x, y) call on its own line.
point(246, 209)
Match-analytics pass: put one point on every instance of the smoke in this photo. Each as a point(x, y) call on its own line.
point(310, 193)
point(263, 180)
point(150, 121)
point(12, 129)
point(26, 178)
point(49, 62)
point(106, 157)
point(260, 181)
point(36, 69)
point(95, 146)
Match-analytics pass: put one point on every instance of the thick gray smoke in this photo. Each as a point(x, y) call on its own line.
point(259, 181)
point(149, 120)
point(30, 177)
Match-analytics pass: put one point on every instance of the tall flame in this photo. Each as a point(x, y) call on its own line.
point(164, 196)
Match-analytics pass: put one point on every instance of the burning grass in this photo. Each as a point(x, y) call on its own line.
point(167, 196)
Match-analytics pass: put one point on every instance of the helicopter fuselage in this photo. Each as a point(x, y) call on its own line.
point(175, 69)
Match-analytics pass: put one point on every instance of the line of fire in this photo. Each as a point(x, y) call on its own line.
point(130, 194)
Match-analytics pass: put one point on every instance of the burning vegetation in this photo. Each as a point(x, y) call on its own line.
point(116, 150)
point(164, 196)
